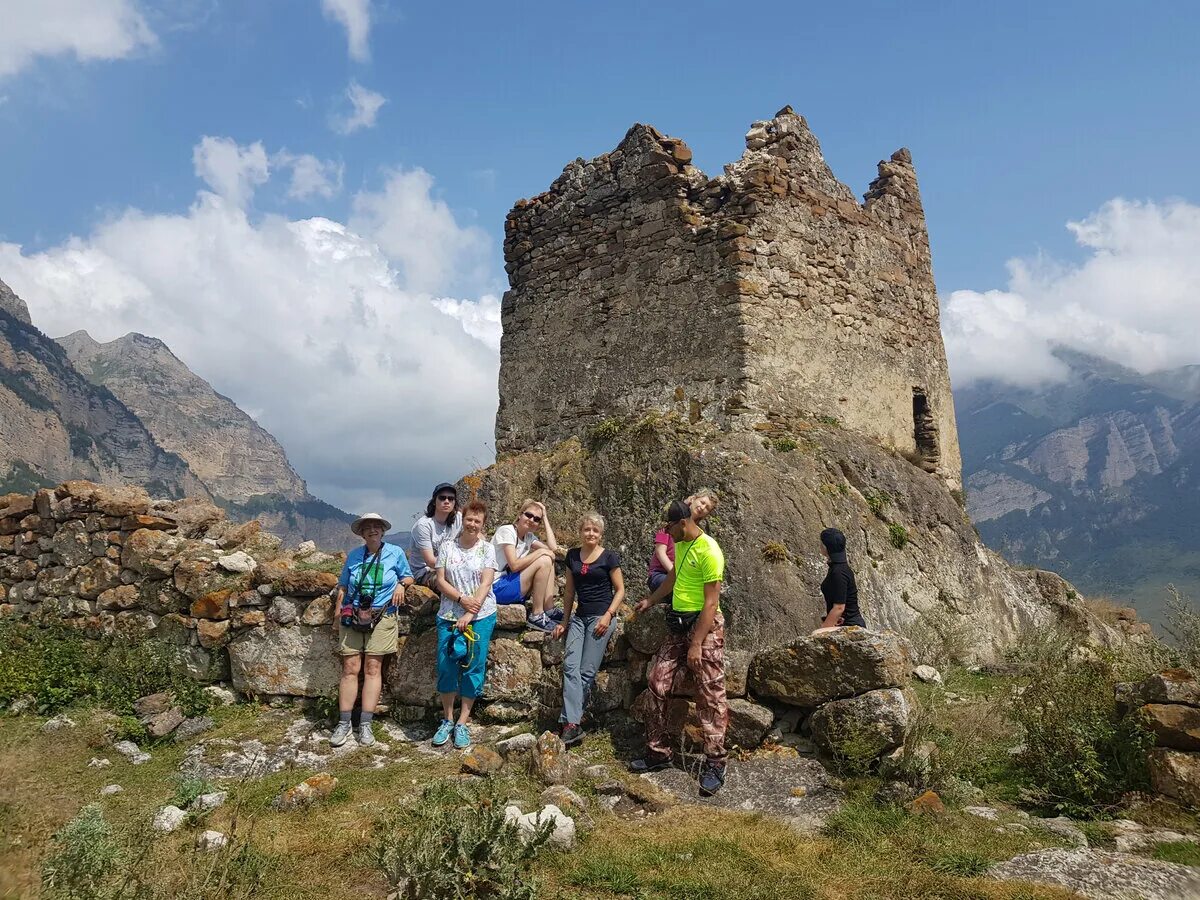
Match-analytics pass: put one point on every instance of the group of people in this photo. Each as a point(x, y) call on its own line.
point(473, 575)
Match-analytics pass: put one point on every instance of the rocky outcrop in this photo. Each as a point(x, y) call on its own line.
point(831, 665)
point(1102, 875)
point(13, 305)
point(1168, 705)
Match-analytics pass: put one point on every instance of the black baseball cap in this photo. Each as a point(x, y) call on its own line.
point(678, 511)
point(445, 486)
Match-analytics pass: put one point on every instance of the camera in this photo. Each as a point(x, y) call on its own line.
point(366, 600)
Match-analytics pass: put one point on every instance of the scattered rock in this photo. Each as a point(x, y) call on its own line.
point(894, 793)
point(110, 789)
point(1063, 828)
point(21, 704)
point(309, 791)
point(748, 723)
point(550, 760)
point(511, 616)
point(927, 804)
point(983, 812)
point(1171, 686)
point(168, 819)
point(1174, 725)
point(867, 725)
point(516, 745)
point(1102, 875)
point(480, 760)
point(596, 773)
point(131, 752)
point(1143, 840)
point(153, 704)
point(211, 840)
point(164, 723)
point(220, 695)
point(189, 728)
point(928, 674)
point(646, 631)
point(563, 835)
point(838, 663)
point(98, 763)
point(208, 802)
point(58, 723)
point(240, 562)
point(564, 798)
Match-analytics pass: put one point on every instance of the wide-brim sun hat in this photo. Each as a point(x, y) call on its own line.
point(357, 525)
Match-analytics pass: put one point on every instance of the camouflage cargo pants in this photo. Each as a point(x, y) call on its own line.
point(712, 709)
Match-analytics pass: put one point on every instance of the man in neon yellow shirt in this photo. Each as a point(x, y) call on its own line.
point(697, 640)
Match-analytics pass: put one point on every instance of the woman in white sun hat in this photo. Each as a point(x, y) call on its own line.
point(365, 620)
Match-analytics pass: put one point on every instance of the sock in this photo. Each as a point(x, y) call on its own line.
point(364, 718)
point(344, 717)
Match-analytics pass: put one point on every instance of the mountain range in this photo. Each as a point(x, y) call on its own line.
point(130, 411)
point(1096, 476)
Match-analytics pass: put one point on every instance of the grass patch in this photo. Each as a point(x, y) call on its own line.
point(1185, 853)
point(775, 552)
point(876, 500)
point(784, 444)
point(897, 536)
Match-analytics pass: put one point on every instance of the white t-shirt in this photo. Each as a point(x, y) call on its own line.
point(429, 535)
point(464, 570)
point(507, 534)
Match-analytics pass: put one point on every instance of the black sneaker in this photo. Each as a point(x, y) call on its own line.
point(651, 762)
point(571, 734)
point(712, 778)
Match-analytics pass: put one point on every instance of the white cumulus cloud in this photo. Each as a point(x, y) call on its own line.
point(311, 177)
point(233, 171)
point(355, 17)
point(87, 29)
point(375, 392)
point(364, 109)
point(1133, 299)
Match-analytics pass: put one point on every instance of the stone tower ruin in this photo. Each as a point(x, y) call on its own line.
point(639, 284)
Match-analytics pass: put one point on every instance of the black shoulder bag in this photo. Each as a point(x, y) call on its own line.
point(681, 622)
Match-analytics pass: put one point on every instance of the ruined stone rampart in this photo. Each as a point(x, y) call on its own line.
point(640, 285)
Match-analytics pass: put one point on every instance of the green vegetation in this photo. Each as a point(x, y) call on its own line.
point(22, 479)
point(83, 859)
point(454, 844)
point(898, 535)
point(877, 500)
point(22, 384)
point(604, 431)
point(784, 444)
point(773, 551)
point(832, 421)
point(1185, 853)
point(57, 665)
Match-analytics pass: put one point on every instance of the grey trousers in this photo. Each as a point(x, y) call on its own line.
point(584, 653)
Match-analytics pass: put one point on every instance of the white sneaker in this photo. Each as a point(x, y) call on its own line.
point(340, 735)
point(366, 737)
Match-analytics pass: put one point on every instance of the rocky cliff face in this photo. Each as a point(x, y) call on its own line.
point(243, 467)
point(13, 305)
point(921, 569)
point(1098, 476)
point(54, 424)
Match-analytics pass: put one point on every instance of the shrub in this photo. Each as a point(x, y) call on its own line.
point(1183, 624)
point(188, 788)
point(832, 421)
point(775, 552)
point(604, 431)
point(84, 857)
point(898, 535)
point(455, 845)
point(58, 665)
point(784, 444)
point(1079, 755)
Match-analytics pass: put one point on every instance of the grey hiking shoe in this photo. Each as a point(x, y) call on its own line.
point(365, 736)
point(340, 735)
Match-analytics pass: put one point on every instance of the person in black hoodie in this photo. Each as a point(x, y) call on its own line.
point(839, 588)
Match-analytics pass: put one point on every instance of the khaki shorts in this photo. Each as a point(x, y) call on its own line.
point(380, 642)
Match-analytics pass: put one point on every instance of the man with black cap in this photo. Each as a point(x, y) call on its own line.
point(696, 639)
point(839, 588)
point(442, 522)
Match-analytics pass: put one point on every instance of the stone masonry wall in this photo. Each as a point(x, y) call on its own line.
point(232, 605)
point(768, 292)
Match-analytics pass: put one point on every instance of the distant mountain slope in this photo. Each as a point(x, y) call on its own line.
point(56, 425)
point(240, 463)
point(1097, 477)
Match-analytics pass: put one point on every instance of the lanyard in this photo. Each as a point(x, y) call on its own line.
point(369, 562)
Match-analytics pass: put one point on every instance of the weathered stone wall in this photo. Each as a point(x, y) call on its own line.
point(639, 285)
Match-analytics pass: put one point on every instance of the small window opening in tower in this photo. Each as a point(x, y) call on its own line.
point(925, 432)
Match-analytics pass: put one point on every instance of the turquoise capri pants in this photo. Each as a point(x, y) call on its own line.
point(452, 676)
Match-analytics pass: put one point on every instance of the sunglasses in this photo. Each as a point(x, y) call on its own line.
point(537, 520)
point(449, 497)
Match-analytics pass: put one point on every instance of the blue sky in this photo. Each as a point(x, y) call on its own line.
point(1021, 117)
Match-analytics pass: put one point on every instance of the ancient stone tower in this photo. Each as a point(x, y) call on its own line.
point(767, 293)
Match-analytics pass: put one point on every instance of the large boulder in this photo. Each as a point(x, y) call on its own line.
point(285, 660)
point(1171, 686)
point(96, 577)
point(1176, 774)
point(646, 631)
point(512, 671)
point(1102, 874)
point(834, 664)
point(73, 544)
point(1174, 725)
point(151, 552)
point(864, 727)
point(412, 679)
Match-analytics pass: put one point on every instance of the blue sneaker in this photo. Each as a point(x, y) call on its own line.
point(443, 733)
point(462, 737)
point(541, 622)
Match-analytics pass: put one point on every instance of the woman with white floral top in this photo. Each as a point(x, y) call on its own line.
point(466, 568)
